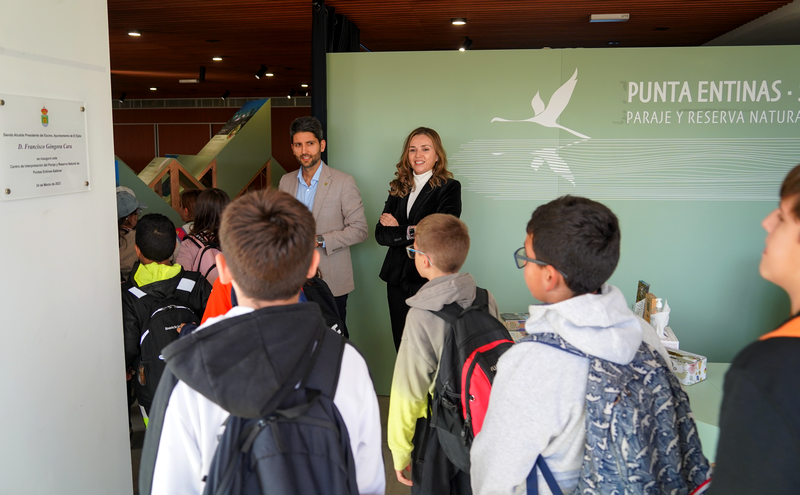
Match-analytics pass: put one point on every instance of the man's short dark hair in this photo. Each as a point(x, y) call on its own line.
point(268, 240)
point(155, 237)
point(578, 236)
point(306, 124)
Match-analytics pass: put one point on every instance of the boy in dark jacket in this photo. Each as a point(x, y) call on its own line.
point(759, 425)
point(154, 279)
point(250, 355)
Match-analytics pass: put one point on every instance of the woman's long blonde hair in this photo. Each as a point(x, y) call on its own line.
point(403, 182)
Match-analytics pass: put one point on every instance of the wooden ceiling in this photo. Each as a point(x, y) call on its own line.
point(179, 36)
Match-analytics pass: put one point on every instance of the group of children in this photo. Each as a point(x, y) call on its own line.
point(168, 267)
point(537, 435)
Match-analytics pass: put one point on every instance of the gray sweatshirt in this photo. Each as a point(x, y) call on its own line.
point(538, 395)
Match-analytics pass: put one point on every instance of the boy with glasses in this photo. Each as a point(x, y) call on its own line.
point(539, 392)
point(440, 248)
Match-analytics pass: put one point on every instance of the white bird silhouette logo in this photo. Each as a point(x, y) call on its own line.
point(547, 116)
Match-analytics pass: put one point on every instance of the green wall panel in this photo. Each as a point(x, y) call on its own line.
point(690, 196)
point(238, 162)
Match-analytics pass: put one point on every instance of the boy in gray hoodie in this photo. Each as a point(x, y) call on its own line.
point(440, 248)
point(538, 395)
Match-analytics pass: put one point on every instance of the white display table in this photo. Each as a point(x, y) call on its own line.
point(706, 398)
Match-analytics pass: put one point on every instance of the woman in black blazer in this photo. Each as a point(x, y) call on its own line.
point(422, 185)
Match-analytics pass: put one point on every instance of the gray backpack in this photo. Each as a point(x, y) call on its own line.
point(641, 437)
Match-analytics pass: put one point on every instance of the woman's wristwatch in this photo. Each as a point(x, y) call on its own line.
point(320, 241)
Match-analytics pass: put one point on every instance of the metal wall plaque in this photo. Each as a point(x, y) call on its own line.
point(43, 147)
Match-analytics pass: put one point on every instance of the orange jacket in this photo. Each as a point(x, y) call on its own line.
point(789, 329)
point(219, 302)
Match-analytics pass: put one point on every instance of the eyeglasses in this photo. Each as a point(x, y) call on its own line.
point(411, 252)
point(520, 259)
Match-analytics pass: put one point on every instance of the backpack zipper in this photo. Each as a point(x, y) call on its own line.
point(171, 306)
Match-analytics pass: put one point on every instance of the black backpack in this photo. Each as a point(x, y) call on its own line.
point(160, 330)
point(300, 447)
point(316, 290)
point(466, 372)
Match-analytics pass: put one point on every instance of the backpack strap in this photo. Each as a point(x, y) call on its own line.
point(555, 340)
point(185, 286)
point(481, 299)
point(200, 256)
point(203, 246)
point(533, 480)
point(324, 374)
point(195, 241)
point(155, 426)
point(234, 299)
point(139, 293)
point(451, 312)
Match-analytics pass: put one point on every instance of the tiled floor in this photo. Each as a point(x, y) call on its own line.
point(393, 487)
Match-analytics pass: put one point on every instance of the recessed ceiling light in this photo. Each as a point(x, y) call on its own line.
point(458, 21)
point(134, 32)
point(185, 81)
point(609, 17)
point(304, 85)
point(269, 74)
point(217, 59)
point(153, 89)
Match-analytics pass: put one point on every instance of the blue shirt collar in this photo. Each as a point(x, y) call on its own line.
point(314, 179)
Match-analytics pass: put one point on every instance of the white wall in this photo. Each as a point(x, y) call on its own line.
point(62, 406)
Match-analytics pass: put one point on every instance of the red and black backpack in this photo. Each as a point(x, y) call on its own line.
point(472, 346)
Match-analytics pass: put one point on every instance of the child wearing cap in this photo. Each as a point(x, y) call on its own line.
point(128, 208)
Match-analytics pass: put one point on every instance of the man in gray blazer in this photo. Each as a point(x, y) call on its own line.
point(335, 202)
